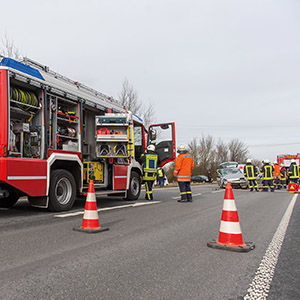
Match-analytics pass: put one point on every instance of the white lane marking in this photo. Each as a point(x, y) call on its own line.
point(76, 213)
point(217, 191)
point(260, 286)
point(179, 197)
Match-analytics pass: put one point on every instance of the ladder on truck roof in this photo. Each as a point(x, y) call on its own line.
point(79, 85)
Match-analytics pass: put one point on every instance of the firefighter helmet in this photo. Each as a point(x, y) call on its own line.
point(266, 161)
point(248, 160)
point(151, 148)
point(293, 160)
point(181, 148)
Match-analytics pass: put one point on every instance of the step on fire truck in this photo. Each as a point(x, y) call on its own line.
point(57, 134)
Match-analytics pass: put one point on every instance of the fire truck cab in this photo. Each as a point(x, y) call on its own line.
point(56, 135)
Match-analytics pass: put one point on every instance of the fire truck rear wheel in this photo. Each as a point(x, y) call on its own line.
point(62, 192)
point(9, 201)
point(134, 186)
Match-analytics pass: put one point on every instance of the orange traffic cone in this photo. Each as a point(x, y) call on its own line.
point(230, 234)
point(90, 222)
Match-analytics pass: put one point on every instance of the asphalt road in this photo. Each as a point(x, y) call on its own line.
point(153, 250)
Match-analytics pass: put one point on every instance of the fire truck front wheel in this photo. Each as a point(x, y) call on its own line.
point(134, 190)
point(62, 192)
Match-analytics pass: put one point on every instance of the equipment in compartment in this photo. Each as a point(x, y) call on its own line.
point(93, 171)
point(25, 140)
point(120, 150)
point(66, 131)
point(24, 99)
point(70, 146)
point(111, 120)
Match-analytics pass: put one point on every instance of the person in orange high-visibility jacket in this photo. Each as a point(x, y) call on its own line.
point(183, 171)
point(276, 175)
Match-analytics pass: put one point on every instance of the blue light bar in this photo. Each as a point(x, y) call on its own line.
point(14, 64)
point(138, 117)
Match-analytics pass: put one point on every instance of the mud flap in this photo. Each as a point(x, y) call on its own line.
point(40, 202)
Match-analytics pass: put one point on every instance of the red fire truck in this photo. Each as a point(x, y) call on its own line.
point(285, 159)
point(57, 134)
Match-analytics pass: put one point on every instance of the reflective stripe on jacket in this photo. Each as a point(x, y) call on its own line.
point(267, 172)
point(250, 171)
point(150, 166)
point(183, 167)
point(293, 171)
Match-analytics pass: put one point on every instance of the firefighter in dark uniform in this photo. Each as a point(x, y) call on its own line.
point(293, 172)
point(161, 177)
point(267, 172)
point(283, 173)
point(149, 159)
point(250, 171)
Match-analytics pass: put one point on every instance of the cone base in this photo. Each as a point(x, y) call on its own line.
point(248, 246)
point(92, 230)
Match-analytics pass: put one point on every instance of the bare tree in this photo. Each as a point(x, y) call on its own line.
point(194, 149)
point(8, 48)
point(206, 152)
point(130, 100)
point(221, 152)
point(148, 114)
point(238, 151)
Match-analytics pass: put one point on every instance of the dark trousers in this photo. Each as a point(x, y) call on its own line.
point(277, 183)
point(252, 184)
point(293, 180)
point(282, 183)
point(268, 183)
point(185, 190)
point(148, 185)
point(161, 181)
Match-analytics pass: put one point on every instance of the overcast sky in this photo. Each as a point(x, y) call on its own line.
point(225, 68)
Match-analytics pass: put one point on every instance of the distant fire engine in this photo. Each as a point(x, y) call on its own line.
point(57, 134)
point(285, 159)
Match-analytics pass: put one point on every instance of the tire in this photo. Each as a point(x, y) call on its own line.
point(62, 192)
point(9, 201)
point(134, 190)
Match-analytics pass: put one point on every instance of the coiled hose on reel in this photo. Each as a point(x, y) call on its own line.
point(24, 99)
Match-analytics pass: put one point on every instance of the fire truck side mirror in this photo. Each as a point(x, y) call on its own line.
point(152, 135)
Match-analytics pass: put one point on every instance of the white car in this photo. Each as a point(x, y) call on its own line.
point(233, 176)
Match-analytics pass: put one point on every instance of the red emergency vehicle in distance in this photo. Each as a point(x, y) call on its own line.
point(285, 159)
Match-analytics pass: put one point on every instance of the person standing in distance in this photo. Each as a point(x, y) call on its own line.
point(283, 174)
point(276, 175)
point(183, 171)
point(293, 172)
point(149, 159)
point(250, 171)
point(161, 177)
point(267, 172)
